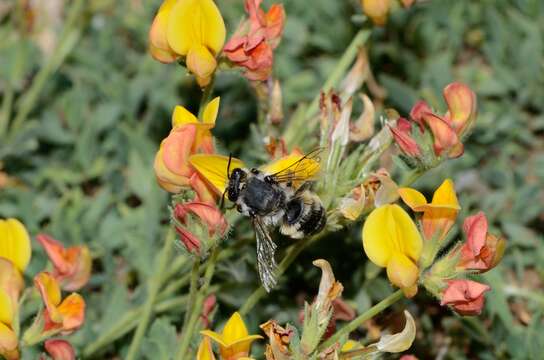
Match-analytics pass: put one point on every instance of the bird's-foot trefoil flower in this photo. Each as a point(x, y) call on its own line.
point(191, 29)
point(58, 315)
point(402, 133)
point(252, 45)
point(482, 251)
point(189, 135)
point(234, 341)
point(466, 297)
point(15, 244)
point(392, 240)
point(72, 266)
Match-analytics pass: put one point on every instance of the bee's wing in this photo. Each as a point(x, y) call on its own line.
point(213, 168)
point(295, 167)
point(266, 248)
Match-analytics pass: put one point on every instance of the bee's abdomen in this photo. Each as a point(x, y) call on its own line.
point(304, 216)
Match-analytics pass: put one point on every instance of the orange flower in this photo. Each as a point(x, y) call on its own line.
point(376, 10)
point(72, 266)
point(59, 315)
point(253, 43)
point(188, 136)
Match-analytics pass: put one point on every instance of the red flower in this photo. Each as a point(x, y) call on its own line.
point(466, 297)
point(253, 43)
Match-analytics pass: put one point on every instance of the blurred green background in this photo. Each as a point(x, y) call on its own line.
point(83, 109)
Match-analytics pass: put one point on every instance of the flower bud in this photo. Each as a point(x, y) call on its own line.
point(60, 349)
point(461, 102)
point(402, 133)
point(376, 10)
point(199, 225)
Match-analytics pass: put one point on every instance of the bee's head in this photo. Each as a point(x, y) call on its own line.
point(236, 179)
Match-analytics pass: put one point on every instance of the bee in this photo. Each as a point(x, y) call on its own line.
point(276, 195)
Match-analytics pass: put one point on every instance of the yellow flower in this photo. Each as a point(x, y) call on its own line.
point(193, 29)
point(438, 216)
point(392, 240)
point(15, 253)
point(234, 341)
point(15, 243)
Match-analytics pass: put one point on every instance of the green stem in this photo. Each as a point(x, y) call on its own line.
point(359, 320)
point(206, 96)
point(193, 289)
point(155, 283)
point(195, 310)
point(5, 112)
point(68, 41)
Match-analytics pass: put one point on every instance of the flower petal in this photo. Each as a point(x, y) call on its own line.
point(202, 64)
point(211, 111)
point(461, 102)
point(15, 244)
point(234, 329)
point(218, 338)
point(181, 116)
point(195, 22)
point(402, 271)
point(60, 349)
point(72, 310)
point(50, 292)
point(8, 343)
point(205, 350)
point(413, 198)
point(213, 168)
point(401, 341)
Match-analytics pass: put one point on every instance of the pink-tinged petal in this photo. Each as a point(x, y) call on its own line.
point(203, 193)
point(189, 240)
point(210, 215)
point(465, 296)
point(60, 349)
point(420, 108)
point(444, 136)
point(476, 229)
point(275, 22)
point(461, 102)
point(402, 135)
point(8, 343)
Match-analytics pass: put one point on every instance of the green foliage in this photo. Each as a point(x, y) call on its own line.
point(81, 161)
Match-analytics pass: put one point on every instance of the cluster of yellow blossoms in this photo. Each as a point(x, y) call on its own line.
point(71, 271)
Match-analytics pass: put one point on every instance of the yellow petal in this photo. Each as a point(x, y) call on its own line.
point(351, 345)
point(201, 63)
point(401, 271)
point(445, 196)
point(182, 116)
point(211, 111)
point(164, 56)
point(205, 350)
point(388, 230)
point(413, 198)
point(15, 243)
point(50, 292)
point(8, 343)
point(218, 338)
point(234, 329)
point(195, 22)
point(159, 27)
point(6, 308)
point(401, 341)
point(213, 168)
point(238, 349)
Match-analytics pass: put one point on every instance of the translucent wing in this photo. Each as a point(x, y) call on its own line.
point(213, 168)
point(266, 248)
point(296, 167)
